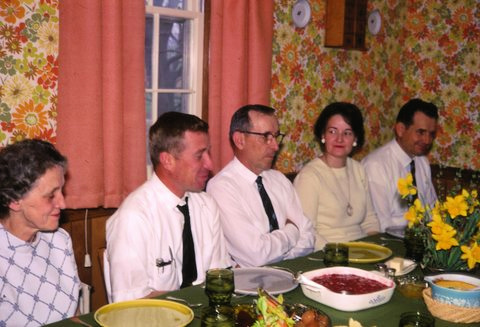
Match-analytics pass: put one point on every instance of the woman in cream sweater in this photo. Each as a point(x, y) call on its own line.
point(333, 188)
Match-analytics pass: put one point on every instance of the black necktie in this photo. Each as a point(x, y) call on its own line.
point(412, 170)
point(267, 204)
point(189, 266)
point(414, 181)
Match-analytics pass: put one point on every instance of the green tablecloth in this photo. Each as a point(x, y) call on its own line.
point(384, 315)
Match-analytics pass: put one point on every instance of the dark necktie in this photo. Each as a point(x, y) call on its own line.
point(189, 266)
point(267, 204)
point(412, 170)
point(414, 181)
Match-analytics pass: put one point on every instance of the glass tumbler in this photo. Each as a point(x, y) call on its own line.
point(336, 254)
point(416, 319)
point(219, 286)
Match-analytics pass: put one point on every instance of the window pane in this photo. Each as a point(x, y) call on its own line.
point(148, 50)
point(172, 102)
point(148, 108)
point(178, 4)
point(173, 46)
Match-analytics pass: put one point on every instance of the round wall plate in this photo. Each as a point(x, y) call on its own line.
point(301, 13)
point(374, 22)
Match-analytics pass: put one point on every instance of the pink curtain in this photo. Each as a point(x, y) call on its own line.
point(101, 106)
point(241, 34)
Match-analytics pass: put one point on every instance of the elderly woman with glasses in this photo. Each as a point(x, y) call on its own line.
point(333, 188)
point(39, 283)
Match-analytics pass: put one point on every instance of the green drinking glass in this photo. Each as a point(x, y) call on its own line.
point(336, 254)
point(219, 286)
point(416, 319)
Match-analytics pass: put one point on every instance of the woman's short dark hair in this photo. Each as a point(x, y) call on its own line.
point(166, 135)
point(21, 165)
point(352, 116)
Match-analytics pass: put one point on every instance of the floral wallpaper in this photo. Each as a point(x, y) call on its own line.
point(28, 70)
point(428, 49)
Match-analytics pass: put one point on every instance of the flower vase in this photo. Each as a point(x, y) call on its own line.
point(414, 245)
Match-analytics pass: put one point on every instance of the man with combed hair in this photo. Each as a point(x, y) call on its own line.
point(167, 233)
point(262, 218)
point(415, 130)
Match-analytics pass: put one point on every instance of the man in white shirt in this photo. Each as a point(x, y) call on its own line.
point(265, 223)
point(152, 246)
point(415, 130)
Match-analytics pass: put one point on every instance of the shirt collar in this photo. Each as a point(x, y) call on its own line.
point(401, 155)
point(168, 197)
point(244, 172)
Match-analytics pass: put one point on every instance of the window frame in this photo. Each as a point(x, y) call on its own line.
point(196, 49)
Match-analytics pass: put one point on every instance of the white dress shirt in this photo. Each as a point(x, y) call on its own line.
point(325, 192)
point(245, 223)
point(384, 167)
point(147, 229)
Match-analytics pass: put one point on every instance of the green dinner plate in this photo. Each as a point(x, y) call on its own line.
point(363, 252)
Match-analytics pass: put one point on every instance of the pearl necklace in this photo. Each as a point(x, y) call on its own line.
point(349, 208)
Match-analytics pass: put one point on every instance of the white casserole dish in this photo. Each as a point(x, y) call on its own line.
point(345, 302)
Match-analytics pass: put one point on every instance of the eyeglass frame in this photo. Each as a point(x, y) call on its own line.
point(268, 137)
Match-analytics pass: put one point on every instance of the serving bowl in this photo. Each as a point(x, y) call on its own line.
point(345, 301)
point(450, 295)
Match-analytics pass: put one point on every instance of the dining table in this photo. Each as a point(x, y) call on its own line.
point(384, 315)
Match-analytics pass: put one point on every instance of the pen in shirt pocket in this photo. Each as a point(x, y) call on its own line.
point(161, 263)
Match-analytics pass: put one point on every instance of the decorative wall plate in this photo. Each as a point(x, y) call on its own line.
point(301, 13)
point(374, 22)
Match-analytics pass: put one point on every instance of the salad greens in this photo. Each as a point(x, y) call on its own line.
point(271, 312)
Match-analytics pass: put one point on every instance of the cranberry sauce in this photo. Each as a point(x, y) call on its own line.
point(348, 283)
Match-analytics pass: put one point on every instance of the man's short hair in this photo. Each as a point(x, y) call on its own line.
point(166, 135)
point(241, 120)
point(21, 165)
point(408, 110)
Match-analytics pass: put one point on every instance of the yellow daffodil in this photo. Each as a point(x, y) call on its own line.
point(415, 213)
point(411, 216)
point(471, 254)
point(471, 200)
point(445, 240)
point(418, 207)
point(443, 225)
point(474, 203)
point(436, 211)
point(436, 225)
point(405, 186)
point(456, 206)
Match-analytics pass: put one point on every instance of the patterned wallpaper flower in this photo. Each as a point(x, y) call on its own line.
point(428, 49)
point(28, 70)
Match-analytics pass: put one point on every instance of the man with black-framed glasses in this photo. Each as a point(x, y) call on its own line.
point(261, 215)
